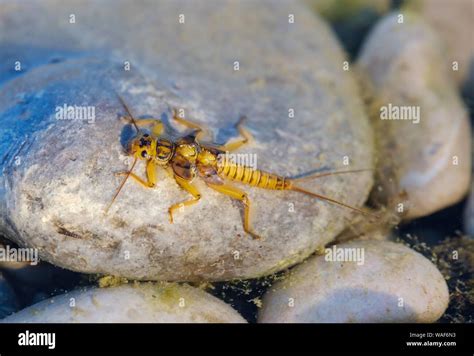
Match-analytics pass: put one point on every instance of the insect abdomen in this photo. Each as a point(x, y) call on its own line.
point(253, 177)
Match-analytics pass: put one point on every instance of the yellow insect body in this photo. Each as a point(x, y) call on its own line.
point(187, 158)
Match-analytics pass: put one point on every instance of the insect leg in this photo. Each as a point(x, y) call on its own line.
point(199, 130)
point(239, 195)
point(150, 173)
point(191, 189)
point(246, 137)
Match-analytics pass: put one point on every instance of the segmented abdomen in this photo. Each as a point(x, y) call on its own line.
point(253, 177)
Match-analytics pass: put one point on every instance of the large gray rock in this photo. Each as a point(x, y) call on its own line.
point(426, 154)
point(392, 283)
point(137, 303)
point(54, 196)
point(454, 22)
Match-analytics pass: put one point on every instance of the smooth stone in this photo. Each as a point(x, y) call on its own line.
point(429, 161)
point(453, 22)
point(137, 303)
point(55, 197)
point(380, 228)
point(376, 233)
point(341, 292)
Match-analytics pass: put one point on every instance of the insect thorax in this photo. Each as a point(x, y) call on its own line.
point(165, 150)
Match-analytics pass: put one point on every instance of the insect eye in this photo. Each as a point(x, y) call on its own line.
point(144, 154)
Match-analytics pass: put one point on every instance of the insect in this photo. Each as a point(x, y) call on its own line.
point(187, 157)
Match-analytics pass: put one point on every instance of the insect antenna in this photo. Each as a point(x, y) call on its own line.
point(121, 186)
point(333, 201)
point(128, 112)
point(325, 174)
